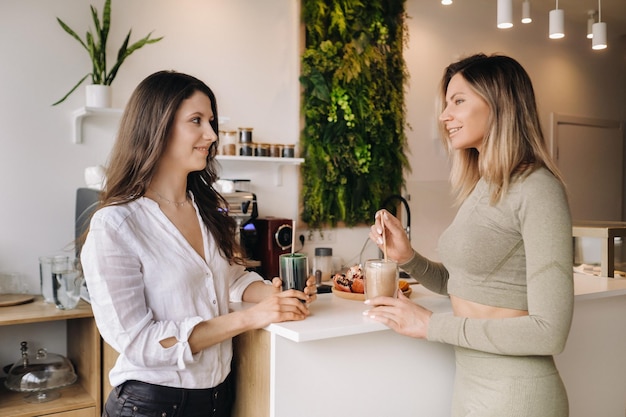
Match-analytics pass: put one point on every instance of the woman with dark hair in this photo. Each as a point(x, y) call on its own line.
point(507, 256)
point(161, 259)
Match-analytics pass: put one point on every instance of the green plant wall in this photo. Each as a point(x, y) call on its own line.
point(353, 77)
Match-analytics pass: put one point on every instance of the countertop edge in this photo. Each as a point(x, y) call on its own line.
point(333, 317)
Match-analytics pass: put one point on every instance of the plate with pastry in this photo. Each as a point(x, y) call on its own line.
point(352, 287)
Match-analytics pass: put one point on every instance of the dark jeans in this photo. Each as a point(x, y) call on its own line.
point(140, 399)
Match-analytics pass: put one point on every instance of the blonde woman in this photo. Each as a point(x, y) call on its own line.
point(506, 257)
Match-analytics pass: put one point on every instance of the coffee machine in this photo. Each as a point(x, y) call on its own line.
point(262, 239)
point(265, 239)
point(242, 206)
point(86, 203)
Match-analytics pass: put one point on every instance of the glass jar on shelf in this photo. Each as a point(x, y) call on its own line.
point(276, 150)
point(228, 142)
point(246, 149)
point(289, 151)
point(245, 134)
point(262, 149)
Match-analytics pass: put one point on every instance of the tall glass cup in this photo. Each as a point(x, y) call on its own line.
point(294, 270)
point(69, 282)
point(381, 278)
point(49, 266)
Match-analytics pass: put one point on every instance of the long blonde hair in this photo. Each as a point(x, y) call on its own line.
point(514, 144)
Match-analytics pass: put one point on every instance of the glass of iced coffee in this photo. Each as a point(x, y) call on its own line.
point(381, 278)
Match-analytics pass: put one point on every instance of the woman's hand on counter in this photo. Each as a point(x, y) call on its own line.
point(400, 314)
point(308, 295)
point(279, 306)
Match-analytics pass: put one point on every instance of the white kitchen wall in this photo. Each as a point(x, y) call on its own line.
point(248, 52)
point(245, 50)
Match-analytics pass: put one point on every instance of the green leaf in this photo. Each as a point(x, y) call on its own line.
point(95, 45)
point(71, 32)
point(124, 52)
point(106, 23)
point(72, 90)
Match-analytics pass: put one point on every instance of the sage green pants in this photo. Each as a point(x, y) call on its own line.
point(489, 385)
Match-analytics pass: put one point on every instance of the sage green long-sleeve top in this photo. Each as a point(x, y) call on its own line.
point(515, 254)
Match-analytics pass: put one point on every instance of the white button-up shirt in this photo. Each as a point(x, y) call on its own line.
point(147, 283)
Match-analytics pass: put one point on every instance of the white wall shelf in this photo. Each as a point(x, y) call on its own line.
point(275, 162)
point(80, 114)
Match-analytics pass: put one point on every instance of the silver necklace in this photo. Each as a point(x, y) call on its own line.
point(175, 203)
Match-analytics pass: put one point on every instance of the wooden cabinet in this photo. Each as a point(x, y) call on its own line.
point(109, 356)
point(251, 367)
point(82, 398)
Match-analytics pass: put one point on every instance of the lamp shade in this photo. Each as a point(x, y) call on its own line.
point(557, 24)
point(599, 35)
point(590, 21)
point(505, 14)
point(526, 12)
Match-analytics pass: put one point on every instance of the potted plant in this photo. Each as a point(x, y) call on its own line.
point(95, 44)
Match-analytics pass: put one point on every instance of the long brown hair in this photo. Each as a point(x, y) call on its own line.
point(141, 140)
point(514, 144)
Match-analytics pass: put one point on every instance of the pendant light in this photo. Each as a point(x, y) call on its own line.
point(599, 31)
point(526, 12)
point(557, 22)
point(591, 19)
point(446, 2)
point(505, 14)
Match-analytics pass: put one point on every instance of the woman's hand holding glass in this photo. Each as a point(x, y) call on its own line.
point(308, 295)
point(279, 306)
point(399, 314)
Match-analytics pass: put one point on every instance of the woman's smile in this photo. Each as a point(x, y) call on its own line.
point(203, 149)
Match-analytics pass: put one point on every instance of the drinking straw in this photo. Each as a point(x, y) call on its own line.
point(293, 238)
point(382, 225)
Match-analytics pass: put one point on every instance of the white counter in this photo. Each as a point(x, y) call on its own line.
point(593, 364)
point(332, 316)
point(589, 287)
point(338, 362)
point(335, 317)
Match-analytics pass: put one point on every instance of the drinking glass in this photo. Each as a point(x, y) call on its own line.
point(69, 282)
point(49, 266)
point(294, 270)
point(381, 278)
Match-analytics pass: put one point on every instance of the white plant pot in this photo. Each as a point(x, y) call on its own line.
point(97, 95)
